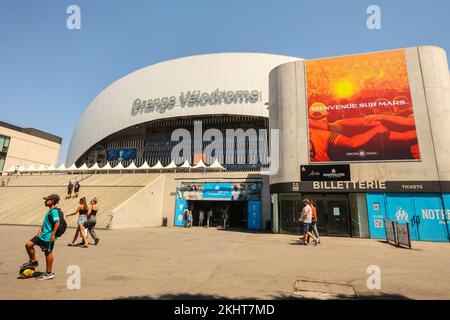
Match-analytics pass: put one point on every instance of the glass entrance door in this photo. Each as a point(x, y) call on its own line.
point(333, 217)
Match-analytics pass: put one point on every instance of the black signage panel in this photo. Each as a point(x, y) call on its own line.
point(325, 172)
point(445, 186)
point(360, 186)
point(413, 186)
point(343, 186)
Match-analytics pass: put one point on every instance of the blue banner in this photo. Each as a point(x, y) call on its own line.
point(254, 215)
point(400, 208)
point(216, 191)
point(377, 212)
point(431, 218)
point(179, 210)
point(425, 213)
point(239, 191)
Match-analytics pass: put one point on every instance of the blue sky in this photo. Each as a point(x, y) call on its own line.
point(49, 74)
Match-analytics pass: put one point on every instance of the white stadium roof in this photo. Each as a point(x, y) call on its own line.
point(112, 110)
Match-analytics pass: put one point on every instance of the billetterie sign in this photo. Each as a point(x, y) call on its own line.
point(194, 98)
point(349, 185)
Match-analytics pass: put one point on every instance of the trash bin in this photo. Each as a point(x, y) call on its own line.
point(268, 225)
point(164, 222)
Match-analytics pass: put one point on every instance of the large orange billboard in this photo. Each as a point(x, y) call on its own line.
point(360, 109)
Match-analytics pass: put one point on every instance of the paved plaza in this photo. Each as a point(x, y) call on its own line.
point(200, 263)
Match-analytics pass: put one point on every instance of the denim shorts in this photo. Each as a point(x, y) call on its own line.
point(82, 220)
point(306, 227)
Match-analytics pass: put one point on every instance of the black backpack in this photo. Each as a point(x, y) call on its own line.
point(62, 222)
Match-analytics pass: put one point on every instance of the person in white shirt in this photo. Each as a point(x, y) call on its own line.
point(306, 218)
point(208, 217)
point(201, 217)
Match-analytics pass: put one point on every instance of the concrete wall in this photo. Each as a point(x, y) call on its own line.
point(286, 82)
point(25, 149)
point(143, 209)
point(429, 85)
point(436, 84)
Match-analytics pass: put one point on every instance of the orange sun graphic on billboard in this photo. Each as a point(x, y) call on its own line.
point(344, 88)
point(360, 108)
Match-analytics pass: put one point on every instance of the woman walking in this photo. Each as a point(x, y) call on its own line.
point(92, 220)
point(82, 210)
point(313, 225)
point(306, 218)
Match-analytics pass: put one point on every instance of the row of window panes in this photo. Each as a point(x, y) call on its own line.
point(4, 143)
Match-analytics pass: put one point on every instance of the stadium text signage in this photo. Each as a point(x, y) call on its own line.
point(343, 186)
point(194, 98)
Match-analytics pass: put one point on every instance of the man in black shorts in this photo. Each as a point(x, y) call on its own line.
point(69, 190)
point(77, 189)
point(45, 239)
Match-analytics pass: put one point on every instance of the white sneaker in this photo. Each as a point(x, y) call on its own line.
point(46, 276)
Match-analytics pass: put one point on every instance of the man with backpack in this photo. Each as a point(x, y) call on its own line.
point(77, 189)
point(53, 226)
point(69, 190)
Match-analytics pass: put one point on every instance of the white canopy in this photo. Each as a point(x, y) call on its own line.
point(83, 167)
point(199, 165)
point(51, 168)
point(119, 166)
point(73, 167)
point(107, 166)
point(216, 165)
point(186, 165)
point(95, 167)
point(144, 166)
point(21, 168)
point(11, 169)
point(132, 166)
point(30, 168)
point(158, 165)
point(171, 165)
point(62, 167)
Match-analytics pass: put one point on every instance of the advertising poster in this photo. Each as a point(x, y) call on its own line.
point(239, 191)
point(191, 191)
point(216, 191)
point(360, 109)
point(246, 191)
point(121, 154)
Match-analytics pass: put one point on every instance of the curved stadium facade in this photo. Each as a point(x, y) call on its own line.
point(134, 118)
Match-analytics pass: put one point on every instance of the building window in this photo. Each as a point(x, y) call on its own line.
point(4, 144)
point(290, 208)
point(2, 162)
point(358, 210)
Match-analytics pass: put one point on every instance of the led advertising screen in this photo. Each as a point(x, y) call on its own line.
point(121, 154)
point(360, 109)
point(239, 191)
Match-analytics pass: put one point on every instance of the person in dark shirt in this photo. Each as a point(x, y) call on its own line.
point(77, 189)
point(69, 190)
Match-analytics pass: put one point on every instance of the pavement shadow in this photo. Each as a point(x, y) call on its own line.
point(189, 296)
point(399, 247)
point(242, 230)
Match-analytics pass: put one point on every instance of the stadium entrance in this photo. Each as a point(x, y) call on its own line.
point(232, 214)
point(333, 218)
point(238, 204)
